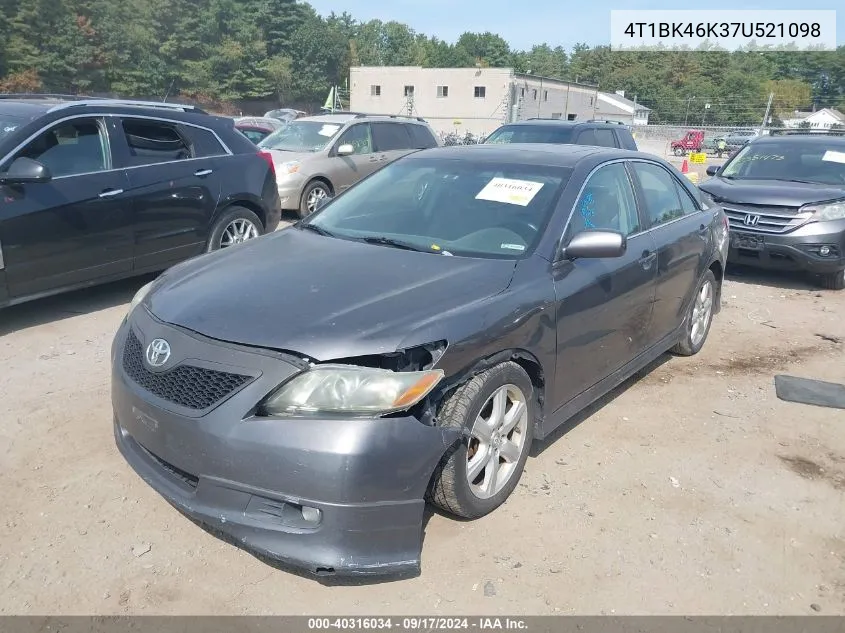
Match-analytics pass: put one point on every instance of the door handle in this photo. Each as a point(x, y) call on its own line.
point(203, 172)
point(109, 193)
point(647, 258)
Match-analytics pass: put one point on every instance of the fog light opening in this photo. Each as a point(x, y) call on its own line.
point(824, 251)
point(311, 515)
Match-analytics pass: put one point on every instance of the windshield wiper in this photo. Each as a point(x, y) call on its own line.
point(389, 241)
point(806, 182)
point(319, 230)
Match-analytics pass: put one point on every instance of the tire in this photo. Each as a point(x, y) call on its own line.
point(678, 151)
point(834, 281)
point(700, 317)
point(311, 194)
point(227, 230)
point(450, 488)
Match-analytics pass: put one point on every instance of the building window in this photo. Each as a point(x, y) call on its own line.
point(481, 92)
point(409, 91)
point(375, 91)
point(442, 92)
point(557, 115)
point(570, 117)
point(522, 92)
point(545, 95)
point(534, 94)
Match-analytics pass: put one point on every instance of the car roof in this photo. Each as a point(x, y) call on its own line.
point(34, 105)
point(549, 154)
point(344, 117)
point(562, 123)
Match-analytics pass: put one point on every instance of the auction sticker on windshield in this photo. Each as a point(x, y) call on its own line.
point(510, 191)
point(834, 157)
point(328, 130)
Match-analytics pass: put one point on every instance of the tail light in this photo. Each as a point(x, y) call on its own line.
point(268, 157)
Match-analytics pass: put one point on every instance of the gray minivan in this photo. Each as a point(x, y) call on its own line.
point(321, 156)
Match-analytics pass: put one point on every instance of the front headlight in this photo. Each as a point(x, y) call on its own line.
point(290, 167)
point(139, 296)
point(824, 212)
point(351, 390)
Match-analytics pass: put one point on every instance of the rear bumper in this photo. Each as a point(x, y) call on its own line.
point(798, 250)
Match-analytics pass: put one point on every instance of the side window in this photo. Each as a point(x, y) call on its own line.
point(74, 147)
point(688, 205)
point(421, 137)
point(390, 136)
point(607, 203)
point(587, 137)
point(660, 192)
point(204, 143)
point(605, 138)
point(358, 136)
point(151, 142)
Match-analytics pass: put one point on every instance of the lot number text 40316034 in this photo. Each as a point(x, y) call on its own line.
point(417, 624)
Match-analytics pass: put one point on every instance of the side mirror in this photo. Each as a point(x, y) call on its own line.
point(25, 170)
point(345, 150)
point(596, 245)
point(712, 170)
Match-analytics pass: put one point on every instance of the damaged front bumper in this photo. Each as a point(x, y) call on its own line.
point(327, 496)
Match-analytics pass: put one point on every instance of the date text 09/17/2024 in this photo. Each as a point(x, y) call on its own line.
point(418, 624)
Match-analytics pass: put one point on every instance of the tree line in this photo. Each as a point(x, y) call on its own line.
point(227, 51)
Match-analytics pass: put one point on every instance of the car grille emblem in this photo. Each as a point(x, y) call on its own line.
point(751, 220)
point(158, 352)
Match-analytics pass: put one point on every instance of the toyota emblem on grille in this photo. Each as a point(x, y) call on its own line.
point(158, 352)
point(751, 220)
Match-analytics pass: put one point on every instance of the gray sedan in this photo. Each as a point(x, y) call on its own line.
point(307, 392)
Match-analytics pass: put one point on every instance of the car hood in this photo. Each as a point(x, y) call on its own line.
point(322, 297)
point(770, 192)
point(280, 157)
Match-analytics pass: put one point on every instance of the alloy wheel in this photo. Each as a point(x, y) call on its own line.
point(702, 310)
point(238, 231)
point(314, 197)
point(497, 440)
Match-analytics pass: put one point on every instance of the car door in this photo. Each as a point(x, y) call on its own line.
point(391, 140)
point(75, 228)
point(173, 188)
point(682, 238)
point(603, 305)
point(345, 171)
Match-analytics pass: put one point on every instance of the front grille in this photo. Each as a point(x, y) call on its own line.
point(191, 481)
point(771, 219)
point(186, 385)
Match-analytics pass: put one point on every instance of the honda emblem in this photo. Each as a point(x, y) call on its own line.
point(751, 220)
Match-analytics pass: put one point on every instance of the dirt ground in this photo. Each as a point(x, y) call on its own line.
point(691, 490)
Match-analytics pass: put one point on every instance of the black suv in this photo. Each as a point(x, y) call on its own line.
point(598, 133)
point(785, 196)
point(93, 190)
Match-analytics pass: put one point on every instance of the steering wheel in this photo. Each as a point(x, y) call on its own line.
point(525, 229)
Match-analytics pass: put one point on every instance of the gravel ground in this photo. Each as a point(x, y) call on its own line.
point(690, 490)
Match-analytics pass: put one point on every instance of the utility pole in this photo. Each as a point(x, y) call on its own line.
point(704, 116)
point(768, 109)
point(686, 116)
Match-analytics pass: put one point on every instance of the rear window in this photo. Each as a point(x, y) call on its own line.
point(531, 134)
point(421, 137)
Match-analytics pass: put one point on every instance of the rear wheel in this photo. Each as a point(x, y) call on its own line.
point(495, 411)
point(235, 226)
point(834, 281)
point(700, 317)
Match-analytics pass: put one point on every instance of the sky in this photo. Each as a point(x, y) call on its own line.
point(528, 22)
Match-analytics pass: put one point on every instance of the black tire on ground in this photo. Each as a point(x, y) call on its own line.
point(690, 345)
point(232, 215)
point(834, 281)
point(313, 186)
point(450, 488)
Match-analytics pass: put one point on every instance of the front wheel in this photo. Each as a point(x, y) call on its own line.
point(235, 226)
point(699, 318)
point(495, 410)
point(834, 281)
point(313, 195)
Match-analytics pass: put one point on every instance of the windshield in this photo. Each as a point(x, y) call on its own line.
point(448, 207)
point(302, 136)
point(531, 134)
point(814, 161)
point(9, 124)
